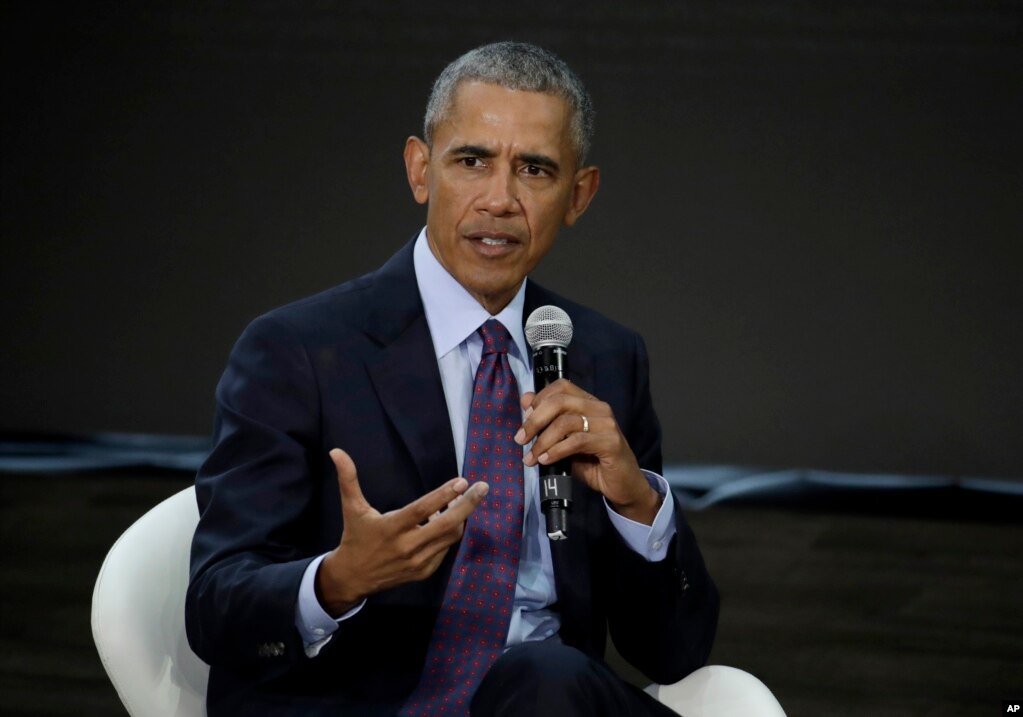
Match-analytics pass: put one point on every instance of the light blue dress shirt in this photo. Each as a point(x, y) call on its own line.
point(454, 316)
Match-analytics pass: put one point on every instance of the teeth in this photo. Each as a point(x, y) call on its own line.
point(493, 242)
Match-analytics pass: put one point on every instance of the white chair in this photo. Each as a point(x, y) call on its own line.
point(718, 691)
point(138, 614)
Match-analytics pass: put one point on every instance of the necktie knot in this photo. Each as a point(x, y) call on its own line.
point(496, 338)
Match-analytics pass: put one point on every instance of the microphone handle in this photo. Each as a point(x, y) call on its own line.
point(549, 364)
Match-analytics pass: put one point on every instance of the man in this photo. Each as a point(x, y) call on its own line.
point(330, 573)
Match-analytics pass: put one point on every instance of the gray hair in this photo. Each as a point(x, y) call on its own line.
point(517, 66)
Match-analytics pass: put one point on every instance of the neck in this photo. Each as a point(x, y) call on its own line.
point(494, 304)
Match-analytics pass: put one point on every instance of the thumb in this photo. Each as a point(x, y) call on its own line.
point(348, 482)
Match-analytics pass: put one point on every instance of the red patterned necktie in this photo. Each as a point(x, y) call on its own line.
point(472, 625)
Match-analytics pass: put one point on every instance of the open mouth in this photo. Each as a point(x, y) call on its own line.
point(493, 244)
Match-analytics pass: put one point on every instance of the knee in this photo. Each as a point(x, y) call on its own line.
point(543, 662)
point(540, 673)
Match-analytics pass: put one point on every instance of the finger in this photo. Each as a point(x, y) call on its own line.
point(563, 427)
point(609, 449)
point(352, 498)
point(430, 560)
point(555, 405)
point(420, 510)
point(530, 400)
point(445, 530)
point(435, 544)
point(576, 444)
point(448, 525)
point(436, 515)
point(602, 440)
point(527, 400)
point(561, 386)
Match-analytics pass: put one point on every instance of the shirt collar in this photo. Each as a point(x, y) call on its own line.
point(451, 312)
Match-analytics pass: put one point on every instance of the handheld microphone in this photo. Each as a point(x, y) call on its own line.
point(549, 332)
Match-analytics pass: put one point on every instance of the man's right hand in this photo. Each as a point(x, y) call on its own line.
point(379, 551)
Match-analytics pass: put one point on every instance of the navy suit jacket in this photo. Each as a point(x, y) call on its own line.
point(354, 367)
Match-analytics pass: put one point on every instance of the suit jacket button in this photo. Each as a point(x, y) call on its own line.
point(270, 649)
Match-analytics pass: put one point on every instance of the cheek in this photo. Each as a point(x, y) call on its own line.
point(445, 210)
point(456, 207)
point(544, 222)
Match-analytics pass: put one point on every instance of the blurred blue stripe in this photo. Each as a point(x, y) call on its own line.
point(701, 486)
point(102, 451)
point(698, 486)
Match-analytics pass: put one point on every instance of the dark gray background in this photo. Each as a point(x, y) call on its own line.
point(811, 213)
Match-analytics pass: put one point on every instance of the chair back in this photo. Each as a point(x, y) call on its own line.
point(138, 623)
point(138, 614)
point(718, 691)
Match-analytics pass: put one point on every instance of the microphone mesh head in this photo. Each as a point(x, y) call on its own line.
point(548, 326)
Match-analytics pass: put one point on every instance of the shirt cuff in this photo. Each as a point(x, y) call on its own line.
point(314, 624)
point(650, 541)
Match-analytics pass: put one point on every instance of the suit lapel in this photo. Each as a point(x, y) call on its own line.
point(405, 373)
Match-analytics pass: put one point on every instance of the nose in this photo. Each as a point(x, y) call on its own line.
point(498, 196)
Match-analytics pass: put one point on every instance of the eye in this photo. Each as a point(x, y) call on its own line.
point(534, 170)
point(471, 162)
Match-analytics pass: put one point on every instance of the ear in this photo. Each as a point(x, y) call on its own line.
point(417, 161)
point(584, 188)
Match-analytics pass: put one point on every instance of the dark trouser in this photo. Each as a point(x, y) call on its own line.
point(544, 679)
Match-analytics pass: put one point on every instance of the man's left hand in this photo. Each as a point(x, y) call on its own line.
point(600, 455)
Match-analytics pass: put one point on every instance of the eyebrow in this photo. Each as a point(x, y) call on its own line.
point(475, 150)
point(540, 160)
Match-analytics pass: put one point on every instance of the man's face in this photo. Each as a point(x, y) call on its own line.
point(500, 180)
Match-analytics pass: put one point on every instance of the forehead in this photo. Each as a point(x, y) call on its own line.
point(485, 112)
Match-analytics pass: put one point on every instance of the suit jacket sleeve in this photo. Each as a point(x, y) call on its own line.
point(662, 615)
point(254, 495)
